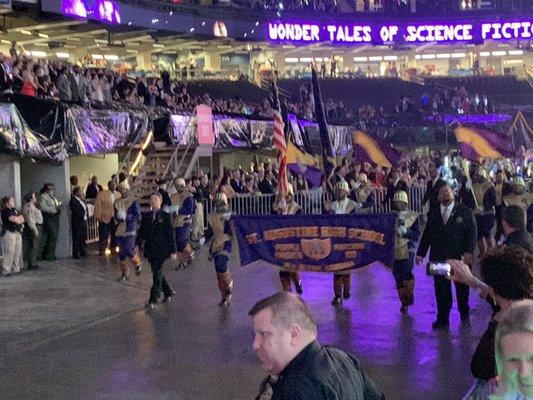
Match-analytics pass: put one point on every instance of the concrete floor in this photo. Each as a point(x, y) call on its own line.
point(70, 331)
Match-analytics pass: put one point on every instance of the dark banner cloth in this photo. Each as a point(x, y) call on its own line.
point(91, 131)
point(17, 138)
point(318, 243)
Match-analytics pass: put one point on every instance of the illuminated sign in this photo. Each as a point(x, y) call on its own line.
point(102, 10)
point(351, 34)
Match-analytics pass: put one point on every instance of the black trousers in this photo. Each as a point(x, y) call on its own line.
point(159, 282)
point(79, 237)
point(443, 294)
point(106, 235)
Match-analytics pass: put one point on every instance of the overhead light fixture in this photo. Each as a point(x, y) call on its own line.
point(443, 55)
point(100, 41)
point(132, 51)
point(375, 58)
point(499, 53)
point(43, 35)
point(306, 59)
point(111, 57)
point(291, 60)
point(520, 61)
point(159, 45)
point(428, 56)
point(390, 58)
point(484, 54)
point(360, 59)
point(97, 56)
point(326, 59)
point(36, 53)
point(418, 56)
point(5, 41)
point(62, 55)
point(25, 32)
point(515, 52)
point(458, 55)
point(191, 30)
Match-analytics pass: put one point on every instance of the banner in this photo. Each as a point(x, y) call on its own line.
point(206, 134)
point(317, 243)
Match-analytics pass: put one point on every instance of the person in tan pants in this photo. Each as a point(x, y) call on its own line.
point(12, 226)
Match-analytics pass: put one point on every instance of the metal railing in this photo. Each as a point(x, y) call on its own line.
point(92, 225)
point(311, 202)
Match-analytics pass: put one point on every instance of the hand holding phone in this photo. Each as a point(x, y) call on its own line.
point(439, 269)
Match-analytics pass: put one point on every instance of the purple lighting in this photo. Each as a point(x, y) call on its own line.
point(445, 32)
point(102, 10)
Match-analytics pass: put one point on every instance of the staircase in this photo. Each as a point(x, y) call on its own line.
point(167, 162)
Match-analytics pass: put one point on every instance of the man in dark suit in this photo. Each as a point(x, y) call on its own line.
point(4, 77)
point(266, 185)
point(235, 182)
point(93, 188)
point(451, 234)
point(395, 184)
point(433, 187)
point(159, 244)
point(514, 228)
point(78, 219)
point(162, 189)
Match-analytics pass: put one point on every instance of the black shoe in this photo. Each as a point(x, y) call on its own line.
point(122, 278)
point(465, 318)
point(33, 267)
point(76, 257)
point(168, 298)
point(336, 302)
point(440, 325)
point(346, 295)
point(403, 309)
point(151, 305)
point(224, 302)
point(299, 288)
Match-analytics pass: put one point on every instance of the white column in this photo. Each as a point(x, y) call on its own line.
point(10, 178)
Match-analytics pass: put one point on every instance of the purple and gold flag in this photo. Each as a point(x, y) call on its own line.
point(381, 152)
point(475, 143)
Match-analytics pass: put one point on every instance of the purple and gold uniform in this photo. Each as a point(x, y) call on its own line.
point(220, 234)
point(182, 208)
point(127, 217)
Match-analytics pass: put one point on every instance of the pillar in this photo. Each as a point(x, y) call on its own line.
point(10, 178)
point(33, 176)
point(144, 61)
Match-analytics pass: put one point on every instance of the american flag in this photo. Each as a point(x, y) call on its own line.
point(281, 145)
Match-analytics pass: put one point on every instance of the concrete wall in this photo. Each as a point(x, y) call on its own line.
point(102, 166)
point(10, 178)
point(33, 176)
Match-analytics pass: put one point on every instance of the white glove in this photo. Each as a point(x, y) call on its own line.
point(227, 216)
point(402, 230)
point(468, 185)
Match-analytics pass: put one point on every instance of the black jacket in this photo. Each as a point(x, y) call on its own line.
point(432, 193)
point(92, 191)
point(266, 187)
point(520, 238)
point(165, 197)
point(391, 189)
point(157, 235)
point(452, 240)
point(323, 372)
point(78, 216)
point(236, 185)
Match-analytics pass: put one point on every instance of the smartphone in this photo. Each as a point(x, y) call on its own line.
point(439, 269)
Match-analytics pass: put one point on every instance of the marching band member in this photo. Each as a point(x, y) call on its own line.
point(485, 212)
point(407, 233)
point(182, 209)
point(342, 205)
point(127, 217)
point(220, 234)
point(288, 206)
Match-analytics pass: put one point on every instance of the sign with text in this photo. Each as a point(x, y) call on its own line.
point(361, 33)
point(206, 134)
point(317, 243)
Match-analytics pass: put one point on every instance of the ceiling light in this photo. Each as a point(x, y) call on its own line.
point(132, 51)
point(458, 55)
point(291, 60)
point(360, 59)
point(418, 56)
point(390, 58)
point(306, 59)
point(36, 53)
point(444, 55)
point(484, 54)
point(428, 56)
point(62, 55)
point(97, 56)
point(5, 41)
point(159, 45)
point(43, 35)
point(318, 59)
point(375, 58)
point(520, 61)
point(499, 53)
point(25, 32)
point(515, 52)
point(111, 57)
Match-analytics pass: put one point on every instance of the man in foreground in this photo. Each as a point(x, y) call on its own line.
point(299, 367)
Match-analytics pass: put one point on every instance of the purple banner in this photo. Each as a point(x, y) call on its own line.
point(316, 243)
